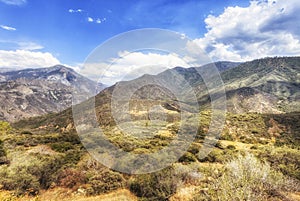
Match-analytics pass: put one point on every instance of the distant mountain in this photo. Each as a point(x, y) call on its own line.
point(193, 75)
point(32, 92)
point(269, 85)
point(3, 70)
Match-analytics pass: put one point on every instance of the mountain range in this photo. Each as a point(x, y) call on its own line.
point(266, 86)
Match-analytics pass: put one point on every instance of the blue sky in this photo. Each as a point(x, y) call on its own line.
point(70, 36)
point(35, 33)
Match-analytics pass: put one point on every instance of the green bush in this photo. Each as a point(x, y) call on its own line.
point(158, 186)
point(194, 148)
point(188, 157)
point(231, 147)
point(45, 169)
point(3, 158)
point(103, 182)
point(216, 155)
point(72, 156)
point(254, 147)
point(226, 136)
point(20, 181)
point(26, 132)
point(30, 173)
point(99, 179)
point(220, 145)
point(61, 146)
point(285, 159)
point(4, 127)
point(2, 150)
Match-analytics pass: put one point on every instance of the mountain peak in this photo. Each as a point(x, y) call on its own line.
point(60, 68)
point(31, 92)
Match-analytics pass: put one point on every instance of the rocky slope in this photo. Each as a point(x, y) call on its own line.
point(32, 92)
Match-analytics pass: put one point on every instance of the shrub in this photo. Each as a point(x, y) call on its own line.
point(226, 136)
point(254, 147)
point(2, 150)
point(216, 155)
point(285, 159)
point(231, 147)
point(188, 157)
point(72, 156)
point(247, 178)
point(99, 179)
point(103, 182)
point(26, 132)
point(220, 145)
point(61, 146)
point(155, 186)
point(45, 169)
point(188, 174)
point(71, 178)
point(21, 181)
point(4, 127)
point(194, 148)
point(3, 158)
point(29, 173)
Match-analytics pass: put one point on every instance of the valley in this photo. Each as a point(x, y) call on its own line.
point(255, 157)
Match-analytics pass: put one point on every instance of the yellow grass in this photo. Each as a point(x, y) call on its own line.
point(184, 194)
point(60, 194)
point(238, 145)
point(295, 196)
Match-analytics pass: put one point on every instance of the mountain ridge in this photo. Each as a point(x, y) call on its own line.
point(33, 92)
point(242, 97)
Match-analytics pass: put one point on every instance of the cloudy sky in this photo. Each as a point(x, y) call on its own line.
point(41, 33)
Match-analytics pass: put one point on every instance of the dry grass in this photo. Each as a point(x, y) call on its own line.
point(295, 196)
point(42, 149)
point(184, 194)
point(238, 145)
point(60, 194)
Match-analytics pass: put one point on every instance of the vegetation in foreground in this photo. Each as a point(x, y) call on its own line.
point(257, 158)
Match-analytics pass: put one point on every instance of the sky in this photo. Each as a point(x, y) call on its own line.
point(40, 33)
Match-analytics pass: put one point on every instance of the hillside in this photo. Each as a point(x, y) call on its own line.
point(32, 92)
point(269, 85)
point(274, 83)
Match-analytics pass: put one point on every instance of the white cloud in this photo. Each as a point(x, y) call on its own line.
point(132, 65)
point(20, 45)
point(89, 19)
point(99, 21)
point(264, 28)
point(26, 59)
point(8, 28)
point(75, 11)
point(29, 46)
point(14, 2)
